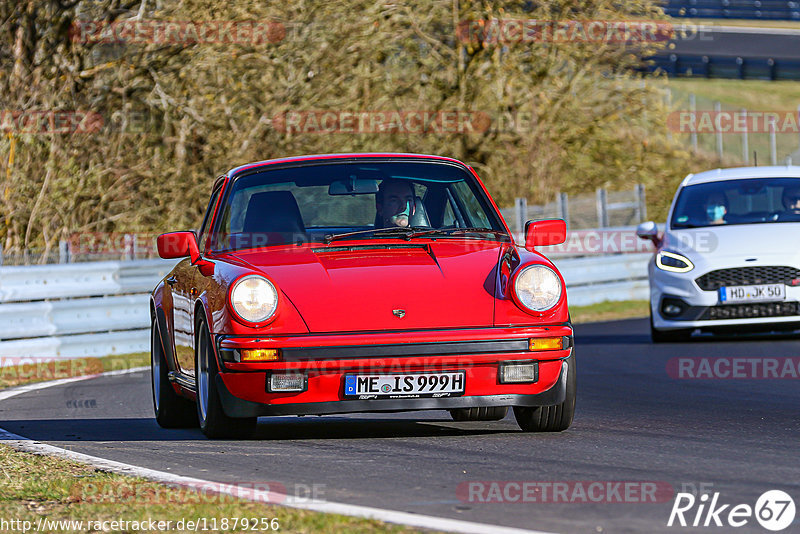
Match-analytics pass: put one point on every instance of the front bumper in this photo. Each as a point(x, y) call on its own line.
point(325, 360)
point(702, 309)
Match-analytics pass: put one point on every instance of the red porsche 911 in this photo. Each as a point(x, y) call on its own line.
point(346, 283)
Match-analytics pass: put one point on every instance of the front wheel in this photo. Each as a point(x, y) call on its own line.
point(551, 418)
point(171, 410)
point(213, 421)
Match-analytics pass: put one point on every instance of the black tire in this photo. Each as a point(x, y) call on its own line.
point(669, 336)
point(551, 418)
point(486, 413)
point(171, 410)
point(214, 422)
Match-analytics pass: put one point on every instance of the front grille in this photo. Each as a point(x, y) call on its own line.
point(750, 311)
point(745, 276)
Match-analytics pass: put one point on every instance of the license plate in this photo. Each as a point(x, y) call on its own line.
point(757, 293)
point(449, 384)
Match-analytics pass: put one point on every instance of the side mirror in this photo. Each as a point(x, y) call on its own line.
point(178, 245)
point(544, 233)
point(648, 231)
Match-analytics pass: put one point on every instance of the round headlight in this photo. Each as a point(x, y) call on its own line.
point(254, 298)
point(538, 288)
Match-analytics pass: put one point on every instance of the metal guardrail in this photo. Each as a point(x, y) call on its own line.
point(95, 309)
point(711, 66)
point(59, 281)
point(734, 9)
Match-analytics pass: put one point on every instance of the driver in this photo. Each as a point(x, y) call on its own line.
point(394, 203)
point(791, 199)
point(716, 207)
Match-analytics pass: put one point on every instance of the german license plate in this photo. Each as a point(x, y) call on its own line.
point(447, 384)
point(756, 293)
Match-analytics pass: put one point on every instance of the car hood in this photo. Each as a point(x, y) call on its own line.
point(383, 286)
point(767, 243)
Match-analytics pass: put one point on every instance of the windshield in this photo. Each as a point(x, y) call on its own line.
point(313, 203)
point(729, 202)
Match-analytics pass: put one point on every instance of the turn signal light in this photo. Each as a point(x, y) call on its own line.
point(546, 343)
point(260, 355)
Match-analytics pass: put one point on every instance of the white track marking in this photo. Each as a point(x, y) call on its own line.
point(249, 493)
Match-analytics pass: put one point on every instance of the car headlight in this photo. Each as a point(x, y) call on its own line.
point(674, 263)
point(254, 298)
point(538, 288)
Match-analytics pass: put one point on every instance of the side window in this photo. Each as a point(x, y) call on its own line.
point(474, 211)
point(449, 218)
point(204, 229)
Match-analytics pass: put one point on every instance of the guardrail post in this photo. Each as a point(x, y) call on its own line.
point(693, 111)
point(641, 208)
point(602, 208)
point(63, 251)
point(773, 145)
point(521, 213)
point(129, 253)
point(718, 111)
point(745, 143)
point(563, 207)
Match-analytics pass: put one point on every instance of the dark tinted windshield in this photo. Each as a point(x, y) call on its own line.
point(307, 203)
point(748, 201)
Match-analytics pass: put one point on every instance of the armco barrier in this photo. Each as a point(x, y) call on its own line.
point(95, 309)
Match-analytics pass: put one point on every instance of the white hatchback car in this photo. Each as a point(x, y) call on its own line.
point(729, 258)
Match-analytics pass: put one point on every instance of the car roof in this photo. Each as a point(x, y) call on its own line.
point(355, 156)
point(741, 173)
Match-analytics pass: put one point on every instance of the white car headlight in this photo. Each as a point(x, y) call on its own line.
point(674, 263)
point(254, 298)
point(538, 288)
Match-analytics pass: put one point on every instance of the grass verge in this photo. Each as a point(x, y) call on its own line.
point(755, 95)
point(610, 311)
point(38, 488)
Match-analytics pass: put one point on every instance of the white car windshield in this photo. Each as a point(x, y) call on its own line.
point(743, 201)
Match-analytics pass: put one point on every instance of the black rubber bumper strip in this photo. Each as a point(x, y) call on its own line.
point(339, 352)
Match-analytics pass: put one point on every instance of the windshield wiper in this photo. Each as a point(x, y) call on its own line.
point(403, 231)
point(452, 231)
point(410, 232)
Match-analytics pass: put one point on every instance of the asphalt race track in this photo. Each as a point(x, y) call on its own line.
point(634, 423)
